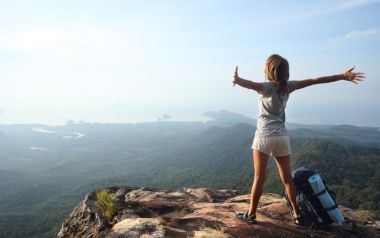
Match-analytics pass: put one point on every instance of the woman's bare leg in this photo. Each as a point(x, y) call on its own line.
point(260, 161)
point(283, 165)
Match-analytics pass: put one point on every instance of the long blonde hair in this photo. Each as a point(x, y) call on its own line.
point(277, 71)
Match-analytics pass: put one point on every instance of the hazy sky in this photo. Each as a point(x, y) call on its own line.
point(128, 61)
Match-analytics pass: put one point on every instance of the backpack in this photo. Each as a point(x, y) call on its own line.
point(313, 213)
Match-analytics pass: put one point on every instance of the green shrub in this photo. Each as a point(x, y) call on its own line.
point(107, 205)
point(364, 215)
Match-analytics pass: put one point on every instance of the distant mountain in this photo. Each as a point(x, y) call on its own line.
point(339, 133)
point(226, 118)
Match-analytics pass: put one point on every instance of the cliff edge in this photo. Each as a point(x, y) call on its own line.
point(118, 212)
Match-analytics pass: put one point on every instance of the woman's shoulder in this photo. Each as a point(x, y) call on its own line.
point(292, 85)
point(268, 87)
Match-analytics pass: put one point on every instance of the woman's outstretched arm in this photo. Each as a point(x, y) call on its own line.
point(349, 75)
point(246, 83)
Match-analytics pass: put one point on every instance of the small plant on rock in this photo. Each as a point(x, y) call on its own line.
point(106, 203)
point(364, 216)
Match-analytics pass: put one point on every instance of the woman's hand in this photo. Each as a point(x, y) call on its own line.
point(236, 76)
point(354, 77)
point(246, 83)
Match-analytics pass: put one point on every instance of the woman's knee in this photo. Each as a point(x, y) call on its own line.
point(259, 179)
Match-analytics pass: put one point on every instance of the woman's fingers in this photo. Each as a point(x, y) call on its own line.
point(357, 76)
point(354, 77)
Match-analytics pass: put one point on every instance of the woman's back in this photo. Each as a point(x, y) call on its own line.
point(272, 104)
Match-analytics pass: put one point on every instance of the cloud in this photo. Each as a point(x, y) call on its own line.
point(355, 35)
point(331, 8)
point(342, 5)
point(355, 3)
point(360, 34)
point(76, 43)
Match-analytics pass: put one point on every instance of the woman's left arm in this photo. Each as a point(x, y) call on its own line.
point(349, 75)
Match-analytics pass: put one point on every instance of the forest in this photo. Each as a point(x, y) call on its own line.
point(45, 173)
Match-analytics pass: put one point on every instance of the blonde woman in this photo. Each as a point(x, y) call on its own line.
point(271, 136)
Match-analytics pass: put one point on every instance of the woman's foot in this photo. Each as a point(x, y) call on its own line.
point(296, 218)
point(247, 217)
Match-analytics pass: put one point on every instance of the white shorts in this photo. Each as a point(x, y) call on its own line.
point(278, 146)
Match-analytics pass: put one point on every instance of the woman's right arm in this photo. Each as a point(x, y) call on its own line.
point(246, 83)
point(349, 75)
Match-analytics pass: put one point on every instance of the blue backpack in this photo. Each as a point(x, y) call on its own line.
point(312, 211)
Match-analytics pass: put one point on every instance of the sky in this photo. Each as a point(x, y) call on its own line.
point(135, 61)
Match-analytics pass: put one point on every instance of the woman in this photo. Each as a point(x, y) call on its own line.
point(271, 136)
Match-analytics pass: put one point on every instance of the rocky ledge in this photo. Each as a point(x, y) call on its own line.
point(200, 212)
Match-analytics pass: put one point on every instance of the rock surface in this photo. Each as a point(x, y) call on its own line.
point(201, 212)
